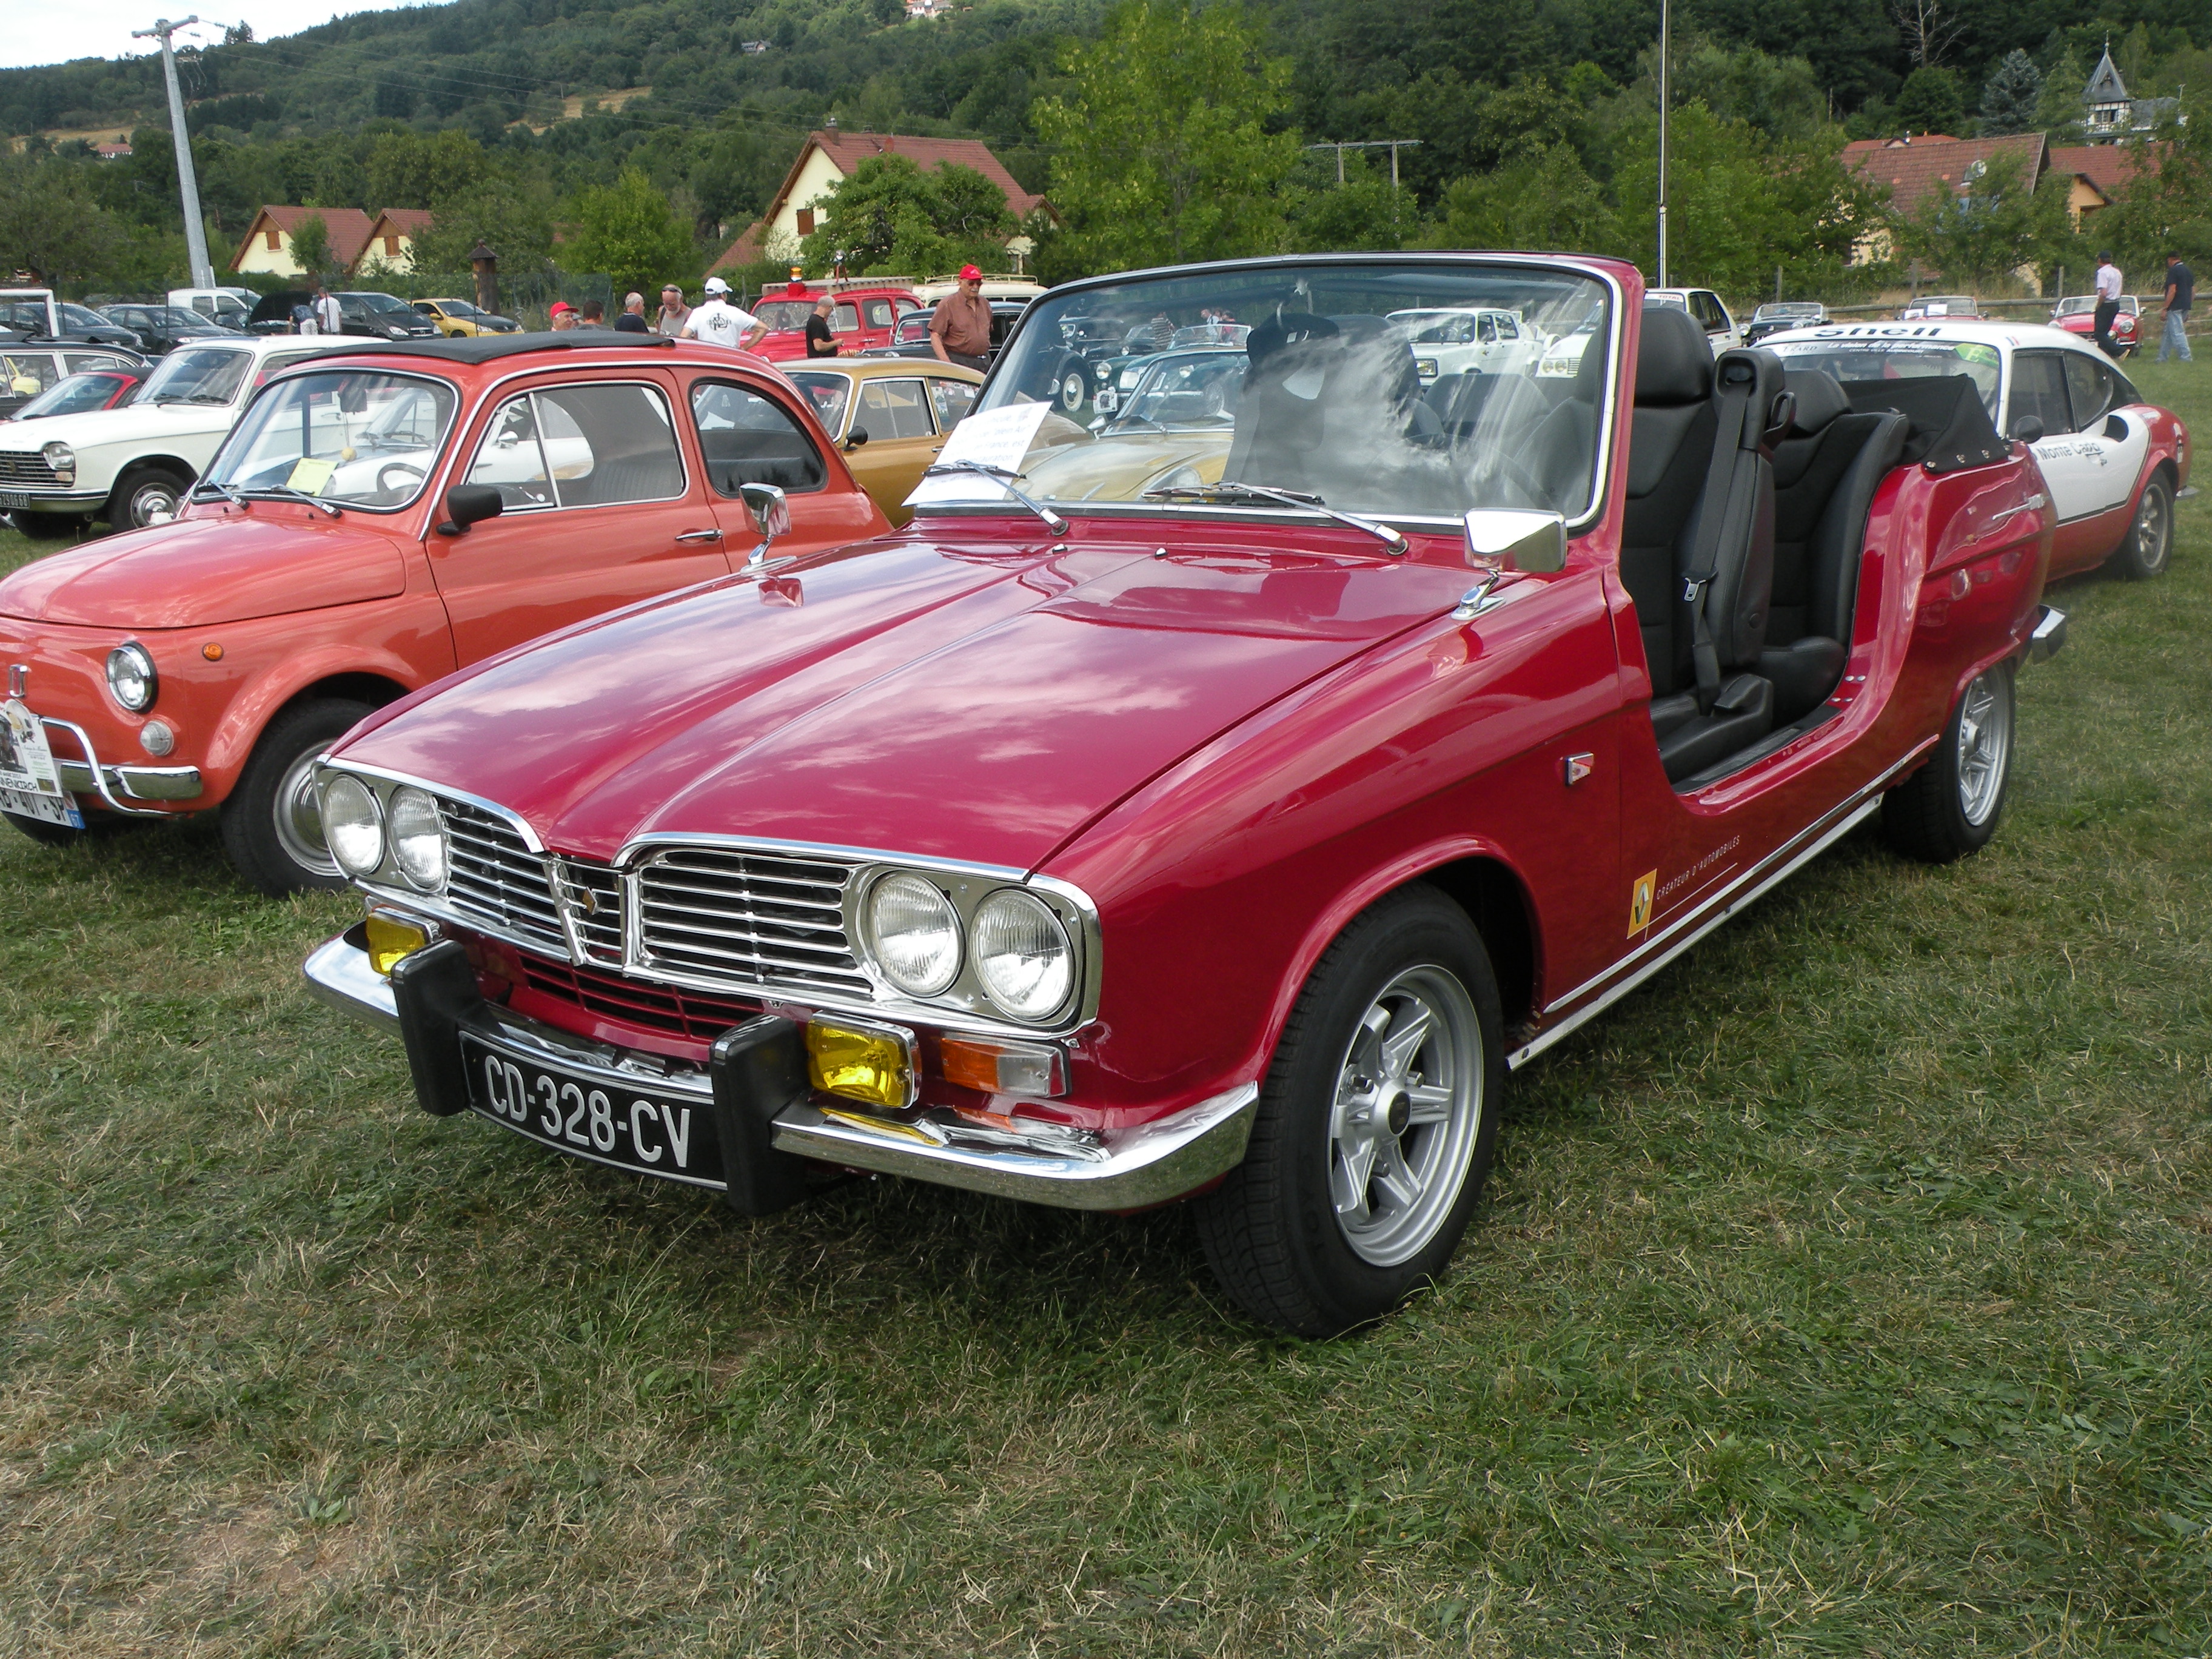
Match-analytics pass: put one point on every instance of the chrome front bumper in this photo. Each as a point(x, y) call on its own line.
point(113, 785)
point(1130, 1170)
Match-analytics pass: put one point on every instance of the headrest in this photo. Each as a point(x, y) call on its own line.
point(1673, 360)
point(1820, 399)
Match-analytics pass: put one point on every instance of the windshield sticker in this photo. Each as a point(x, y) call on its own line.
point(996, 438)
point(309, 477)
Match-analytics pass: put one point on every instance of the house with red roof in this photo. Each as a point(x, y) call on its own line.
point(829, 156)
point(390, 244)
point(1915, 168)
point(267, 249)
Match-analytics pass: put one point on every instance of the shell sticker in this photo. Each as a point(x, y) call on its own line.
point(1639, 903)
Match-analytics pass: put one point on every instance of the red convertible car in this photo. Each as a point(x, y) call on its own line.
point(316, 574)
point(1217, 806)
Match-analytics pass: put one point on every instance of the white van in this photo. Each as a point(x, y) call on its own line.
point(221, 304)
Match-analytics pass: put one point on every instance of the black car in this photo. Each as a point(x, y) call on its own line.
point(78, 323)
point(378, 316)
point(165, 327)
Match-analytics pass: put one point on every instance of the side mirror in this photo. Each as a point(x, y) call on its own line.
point(468, 504)
point(855, 438)
point(1528, 541)
point(771, 515)
point(2028, 429)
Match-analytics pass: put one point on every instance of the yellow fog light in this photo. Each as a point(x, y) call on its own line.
point(861, 1061)
point(392, 936)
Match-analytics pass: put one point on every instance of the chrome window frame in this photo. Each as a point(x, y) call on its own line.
point(306, 366)
point(675, 438)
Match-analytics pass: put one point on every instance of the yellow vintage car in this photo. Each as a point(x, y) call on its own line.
point(456, 318)
point(889, 415)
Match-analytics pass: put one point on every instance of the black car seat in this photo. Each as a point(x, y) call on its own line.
point(1825, 473)
point(1697, 537)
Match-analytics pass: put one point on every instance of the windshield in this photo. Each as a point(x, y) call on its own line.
point(384, 302)
point(1314, 388)
point(355, 437)
point(2076, 305)
point(1862, 359)
point(784, 313)
point(73, 395)
point(195, 374)
point(829, 394)
point(460, 308)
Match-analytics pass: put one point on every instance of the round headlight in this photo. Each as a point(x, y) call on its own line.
point(353, 827)
point(60, 457)
point(1021, 954)
point(418, 838)
point(914, 934)
point(130, 677)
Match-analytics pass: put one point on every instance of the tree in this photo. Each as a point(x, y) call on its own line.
point(515, 223)
point(1541, 199)
point(1359, 215)
point(50, 224)
point(626, 230)
point(311, 246)
point(2059, 105)
point(2166, 205)
point(1926, 29)
point(2011, 95)
point(423, 169)
point(1993, 225)
point(1165, 154)
point(1928, 101)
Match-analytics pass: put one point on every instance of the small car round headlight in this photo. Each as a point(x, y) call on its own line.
point(353, 825)
point(63, 460)
point(130, 677)
point(418, 838)
point(914, 934)
point(1023, 955)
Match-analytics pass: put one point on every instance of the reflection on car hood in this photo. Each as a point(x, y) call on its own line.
point(133, 423)
point(1121, 466)
point(198, 572)
point(982, 703)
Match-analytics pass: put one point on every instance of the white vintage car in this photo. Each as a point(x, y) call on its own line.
point(131, 465)
point(1472, 340)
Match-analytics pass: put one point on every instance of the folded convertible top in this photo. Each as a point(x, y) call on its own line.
point(1950, 430)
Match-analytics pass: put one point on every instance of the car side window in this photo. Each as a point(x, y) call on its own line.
point(2089, 388)
point(879, 314)
point(953, 399)
point(1486, 331)
point(1508, 328)
point(2039, 388)
point(750, 439)
point(893, 409)
point(76, 362)
point(510, 459)
point(28, 372)
point(624, 448)
point(846, 319)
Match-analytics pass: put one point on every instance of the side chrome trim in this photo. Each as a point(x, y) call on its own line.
point(139, 782)
point(1140, 1167)
point(96, 777)
point(339, 976)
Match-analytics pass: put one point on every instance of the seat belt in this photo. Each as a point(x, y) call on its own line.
point(1718, 510)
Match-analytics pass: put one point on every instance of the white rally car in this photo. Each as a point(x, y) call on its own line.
point(2114, 461)
point(130, 465)
point(1469, 340)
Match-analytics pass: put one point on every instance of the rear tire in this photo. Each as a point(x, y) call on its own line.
point(2147, 548)
point(141, 493)
point(272, 825)
point(1950, 807)
point(47, 526)
point(1374, 1128)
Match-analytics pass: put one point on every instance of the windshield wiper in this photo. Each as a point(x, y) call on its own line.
point(1226, 495)
point(285, 492)
point(1003, 477)
point(223, 489)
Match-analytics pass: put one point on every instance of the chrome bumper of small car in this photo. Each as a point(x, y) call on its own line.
point(1127, 1170)
point(86, 775)
point(2048, 638)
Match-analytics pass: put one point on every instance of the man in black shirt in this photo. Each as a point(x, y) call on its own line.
point(2180, 290)
point(632, 321)
point(820, 342)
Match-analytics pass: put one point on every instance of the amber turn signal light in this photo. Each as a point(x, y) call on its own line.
point(1034, 1070)
point(872, 1064)
point(212, 652)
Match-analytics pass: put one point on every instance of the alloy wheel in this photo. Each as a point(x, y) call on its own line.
point(2153, 533)
point(1984, 746)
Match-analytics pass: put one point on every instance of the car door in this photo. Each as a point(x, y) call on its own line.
point(876, 320)
point(903, 440)
point(2074, 464)
point(747, 433)
point(600, 508)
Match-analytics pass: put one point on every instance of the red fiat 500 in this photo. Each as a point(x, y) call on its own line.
point(1214, 806)
point(372, 523)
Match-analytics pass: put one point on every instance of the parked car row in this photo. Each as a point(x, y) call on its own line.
point(1213, 801)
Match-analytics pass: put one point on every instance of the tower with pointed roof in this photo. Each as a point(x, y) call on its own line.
point(2109, 114)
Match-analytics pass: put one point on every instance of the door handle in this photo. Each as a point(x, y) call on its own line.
point(700, 536)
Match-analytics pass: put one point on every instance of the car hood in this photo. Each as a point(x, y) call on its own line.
point(132, 424)
point(981, 702)
point(197, 572)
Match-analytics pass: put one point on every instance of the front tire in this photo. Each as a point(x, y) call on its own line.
point(1073, 386)
point(272, 824)
point(143, 492)
point(1950, 806)
point(47, 526)
point(2147, 548)
point(1374, 1128)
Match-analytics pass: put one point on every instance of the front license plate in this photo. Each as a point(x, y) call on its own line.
point(12, 499)
point(593, 1114)
point(30, 786)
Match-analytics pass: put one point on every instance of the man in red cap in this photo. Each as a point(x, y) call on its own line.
point(960, 329)
point(562, 316)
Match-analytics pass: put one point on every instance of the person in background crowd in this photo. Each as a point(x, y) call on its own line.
point(674, 313)
point(2180, 290)
point(2108, 301)
point(820, 342)
point(563, 316)
point(594, 315)
point(632, 321)
point(960, 328)
point(718, 322)
point(324, 315)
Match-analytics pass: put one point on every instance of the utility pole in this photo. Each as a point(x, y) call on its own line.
point(188, 184)
point(1663, 54)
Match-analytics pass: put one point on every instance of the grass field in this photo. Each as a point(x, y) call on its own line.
point(1844, 1292)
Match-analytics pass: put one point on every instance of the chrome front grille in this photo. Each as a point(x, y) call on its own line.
point(591, 896)
point(20, 469)
point(493, 877)
point(746, 920)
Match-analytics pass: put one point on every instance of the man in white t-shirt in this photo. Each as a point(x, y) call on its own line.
point(2108, 301)
point(718, 322)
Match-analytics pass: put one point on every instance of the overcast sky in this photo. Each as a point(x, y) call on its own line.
point(38, 33)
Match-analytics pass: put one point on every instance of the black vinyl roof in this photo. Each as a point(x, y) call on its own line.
point(491, 348)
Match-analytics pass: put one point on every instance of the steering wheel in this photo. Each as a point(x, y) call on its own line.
point(415, 477)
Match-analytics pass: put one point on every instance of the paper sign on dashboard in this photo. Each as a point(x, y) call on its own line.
point(310, 475)
point(995, 437)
